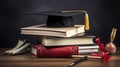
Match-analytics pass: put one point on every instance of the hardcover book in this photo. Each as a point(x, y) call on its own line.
point(64, 41)
point(61, 51)
point(49, 31)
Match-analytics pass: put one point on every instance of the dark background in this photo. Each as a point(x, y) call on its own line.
point(104, 15)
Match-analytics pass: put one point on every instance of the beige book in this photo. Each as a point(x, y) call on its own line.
point(60, 32)
point(64, 41)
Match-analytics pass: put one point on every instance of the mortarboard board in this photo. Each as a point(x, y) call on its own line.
point(63, 18)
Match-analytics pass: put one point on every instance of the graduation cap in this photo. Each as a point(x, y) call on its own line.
point(63, 18)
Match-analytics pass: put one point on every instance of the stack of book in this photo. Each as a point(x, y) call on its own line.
point(60, 42)
point(60, 36)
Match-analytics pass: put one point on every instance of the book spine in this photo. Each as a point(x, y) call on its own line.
point(64, 51)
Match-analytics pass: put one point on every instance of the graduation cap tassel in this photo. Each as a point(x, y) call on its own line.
point(87, 27)
point(86, 21)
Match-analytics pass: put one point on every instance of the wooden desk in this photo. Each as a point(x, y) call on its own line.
point(27, 60)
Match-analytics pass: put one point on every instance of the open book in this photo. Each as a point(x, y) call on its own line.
point(60, 32)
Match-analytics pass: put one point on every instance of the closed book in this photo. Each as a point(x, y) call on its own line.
point(62, 51)
point(65, 41)
point(49, 31)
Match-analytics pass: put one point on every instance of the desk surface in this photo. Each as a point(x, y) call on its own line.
point(30, 61)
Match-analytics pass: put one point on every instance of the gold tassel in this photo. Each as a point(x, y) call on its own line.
point(87, 27)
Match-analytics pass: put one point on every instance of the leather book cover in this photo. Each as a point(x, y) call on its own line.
point(61, 51)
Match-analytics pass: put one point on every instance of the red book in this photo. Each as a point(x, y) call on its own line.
point(61, 51)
